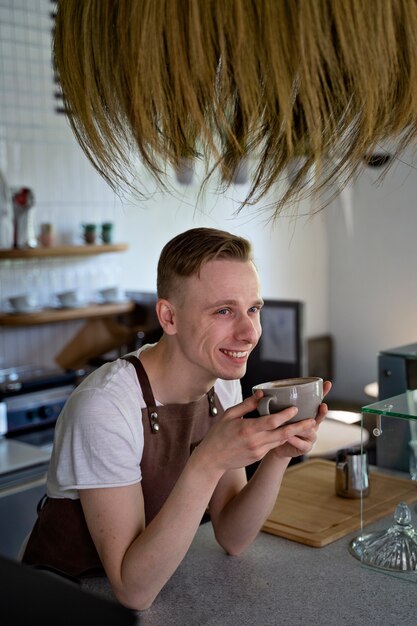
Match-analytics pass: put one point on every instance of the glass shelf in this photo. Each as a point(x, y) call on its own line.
point(403, 406)
point(390, 545)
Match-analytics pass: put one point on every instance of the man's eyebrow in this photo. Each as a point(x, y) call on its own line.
point(221, 303)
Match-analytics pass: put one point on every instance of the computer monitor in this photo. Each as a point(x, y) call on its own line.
point(280, 352)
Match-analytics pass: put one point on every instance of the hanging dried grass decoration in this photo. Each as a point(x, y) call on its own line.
point(326, 80)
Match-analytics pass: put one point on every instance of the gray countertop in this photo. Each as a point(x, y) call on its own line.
point(277, 582)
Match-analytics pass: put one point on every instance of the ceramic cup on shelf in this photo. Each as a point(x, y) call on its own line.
point(23, 302)
point(68, 299)
point(306, 393)
point(107, 232)
point(89, 233)
point(46, 235)
point(109, 294)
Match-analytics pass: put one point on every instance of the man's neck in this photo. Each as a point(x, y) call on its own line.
point(173, 381)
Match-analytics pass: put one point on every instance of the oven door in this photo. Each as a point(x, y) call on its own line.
point(23, 470)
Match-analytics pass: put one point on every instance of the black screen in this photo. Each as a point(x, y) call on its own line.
point(280, 351)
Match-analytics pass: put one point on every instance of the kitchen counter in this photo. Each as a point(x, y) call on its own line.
point(277, 582)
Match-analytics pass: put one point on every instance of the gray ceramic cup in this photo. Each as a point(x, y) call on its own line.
point(110, 294)
point(22, 302)
point(304, 393)
point(68, 298)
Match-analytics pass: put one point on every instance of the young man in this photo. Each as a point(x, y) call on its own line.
point(146, 444)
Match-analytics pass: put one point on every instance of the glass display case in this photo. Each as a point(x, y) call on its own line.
point(391, 546)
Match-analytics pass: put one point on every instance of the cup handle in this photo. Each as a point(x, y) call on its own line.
point(263, 405)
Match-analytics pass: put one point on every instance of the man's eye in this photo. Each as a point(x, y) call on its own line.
point(223, 311)
point(254, 309)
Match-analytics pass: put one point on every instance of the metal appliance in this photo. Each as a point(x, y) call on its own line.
point(31, 399)
point(397, 373)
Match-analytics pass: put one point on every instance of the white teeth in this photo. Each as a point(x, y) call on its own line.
point(236, 355)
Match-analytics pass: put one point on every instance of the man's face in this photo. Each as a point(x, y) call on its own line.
point(217, 319)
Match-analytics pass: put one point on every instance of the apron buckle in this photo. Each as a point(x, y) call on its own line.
point(154, 421)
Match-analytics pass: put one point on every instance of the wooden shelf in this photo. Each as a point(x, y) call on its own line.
point(49, 316)
point(57, 251)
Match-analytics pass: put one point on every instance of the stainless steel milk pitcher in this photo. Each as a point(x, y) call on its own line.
point(352, 477)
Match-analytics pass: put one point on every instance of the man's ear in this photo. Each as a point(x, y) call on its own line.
point(165, 311)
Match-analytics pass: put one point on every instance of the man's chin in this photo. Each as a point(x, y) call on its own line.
point(236, 375)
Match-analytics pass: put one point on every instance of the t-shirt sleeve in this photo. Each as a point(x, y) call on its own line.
point(101, 448)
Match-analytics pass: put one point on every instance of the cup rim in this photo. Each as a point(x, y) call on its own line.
point(301, 381)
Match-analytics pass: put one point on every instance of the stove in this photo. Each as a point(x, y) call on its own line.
point(24, 378)
point(32, 397)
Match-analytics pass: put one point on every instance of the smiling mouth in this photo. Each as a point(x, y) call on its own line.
point(235, 355)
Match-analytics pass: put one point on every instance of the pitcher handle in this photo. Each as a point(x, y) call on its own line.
point(343, 466)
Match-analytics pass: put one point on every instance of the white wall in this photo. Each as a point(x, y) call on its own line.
point(372, 240)
point(291, 255)
point(37, 150)
point(353, 264)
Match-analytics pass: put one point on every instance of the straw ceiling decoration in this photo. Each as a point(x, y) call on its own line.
point(324, 80)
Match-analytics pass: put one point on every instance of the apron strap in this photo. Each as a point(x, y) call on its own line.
point(149, 397)
point(143, 379)
point(146, 390)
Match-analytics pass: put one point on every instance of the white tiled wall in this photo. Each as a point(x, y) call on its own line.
point(37, 150)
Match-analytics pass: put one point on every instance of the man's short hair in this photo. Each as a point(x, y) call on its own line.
point(186, 254)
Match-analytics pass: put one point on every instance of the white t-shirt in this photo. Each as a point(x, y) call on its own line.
point(99, 434)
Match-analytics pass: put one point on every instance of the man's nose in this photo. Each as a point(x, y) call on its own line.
point(247, 329)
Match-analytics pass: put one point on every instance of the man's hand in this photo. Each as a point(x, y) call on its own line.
point(234, 442)
point(301, 442)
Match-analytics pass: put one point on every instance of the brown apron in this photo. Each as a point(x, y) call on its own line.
point(60, 539)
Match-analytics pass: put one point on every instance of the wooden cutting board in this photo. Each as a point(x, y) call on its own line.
point(308, 511)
